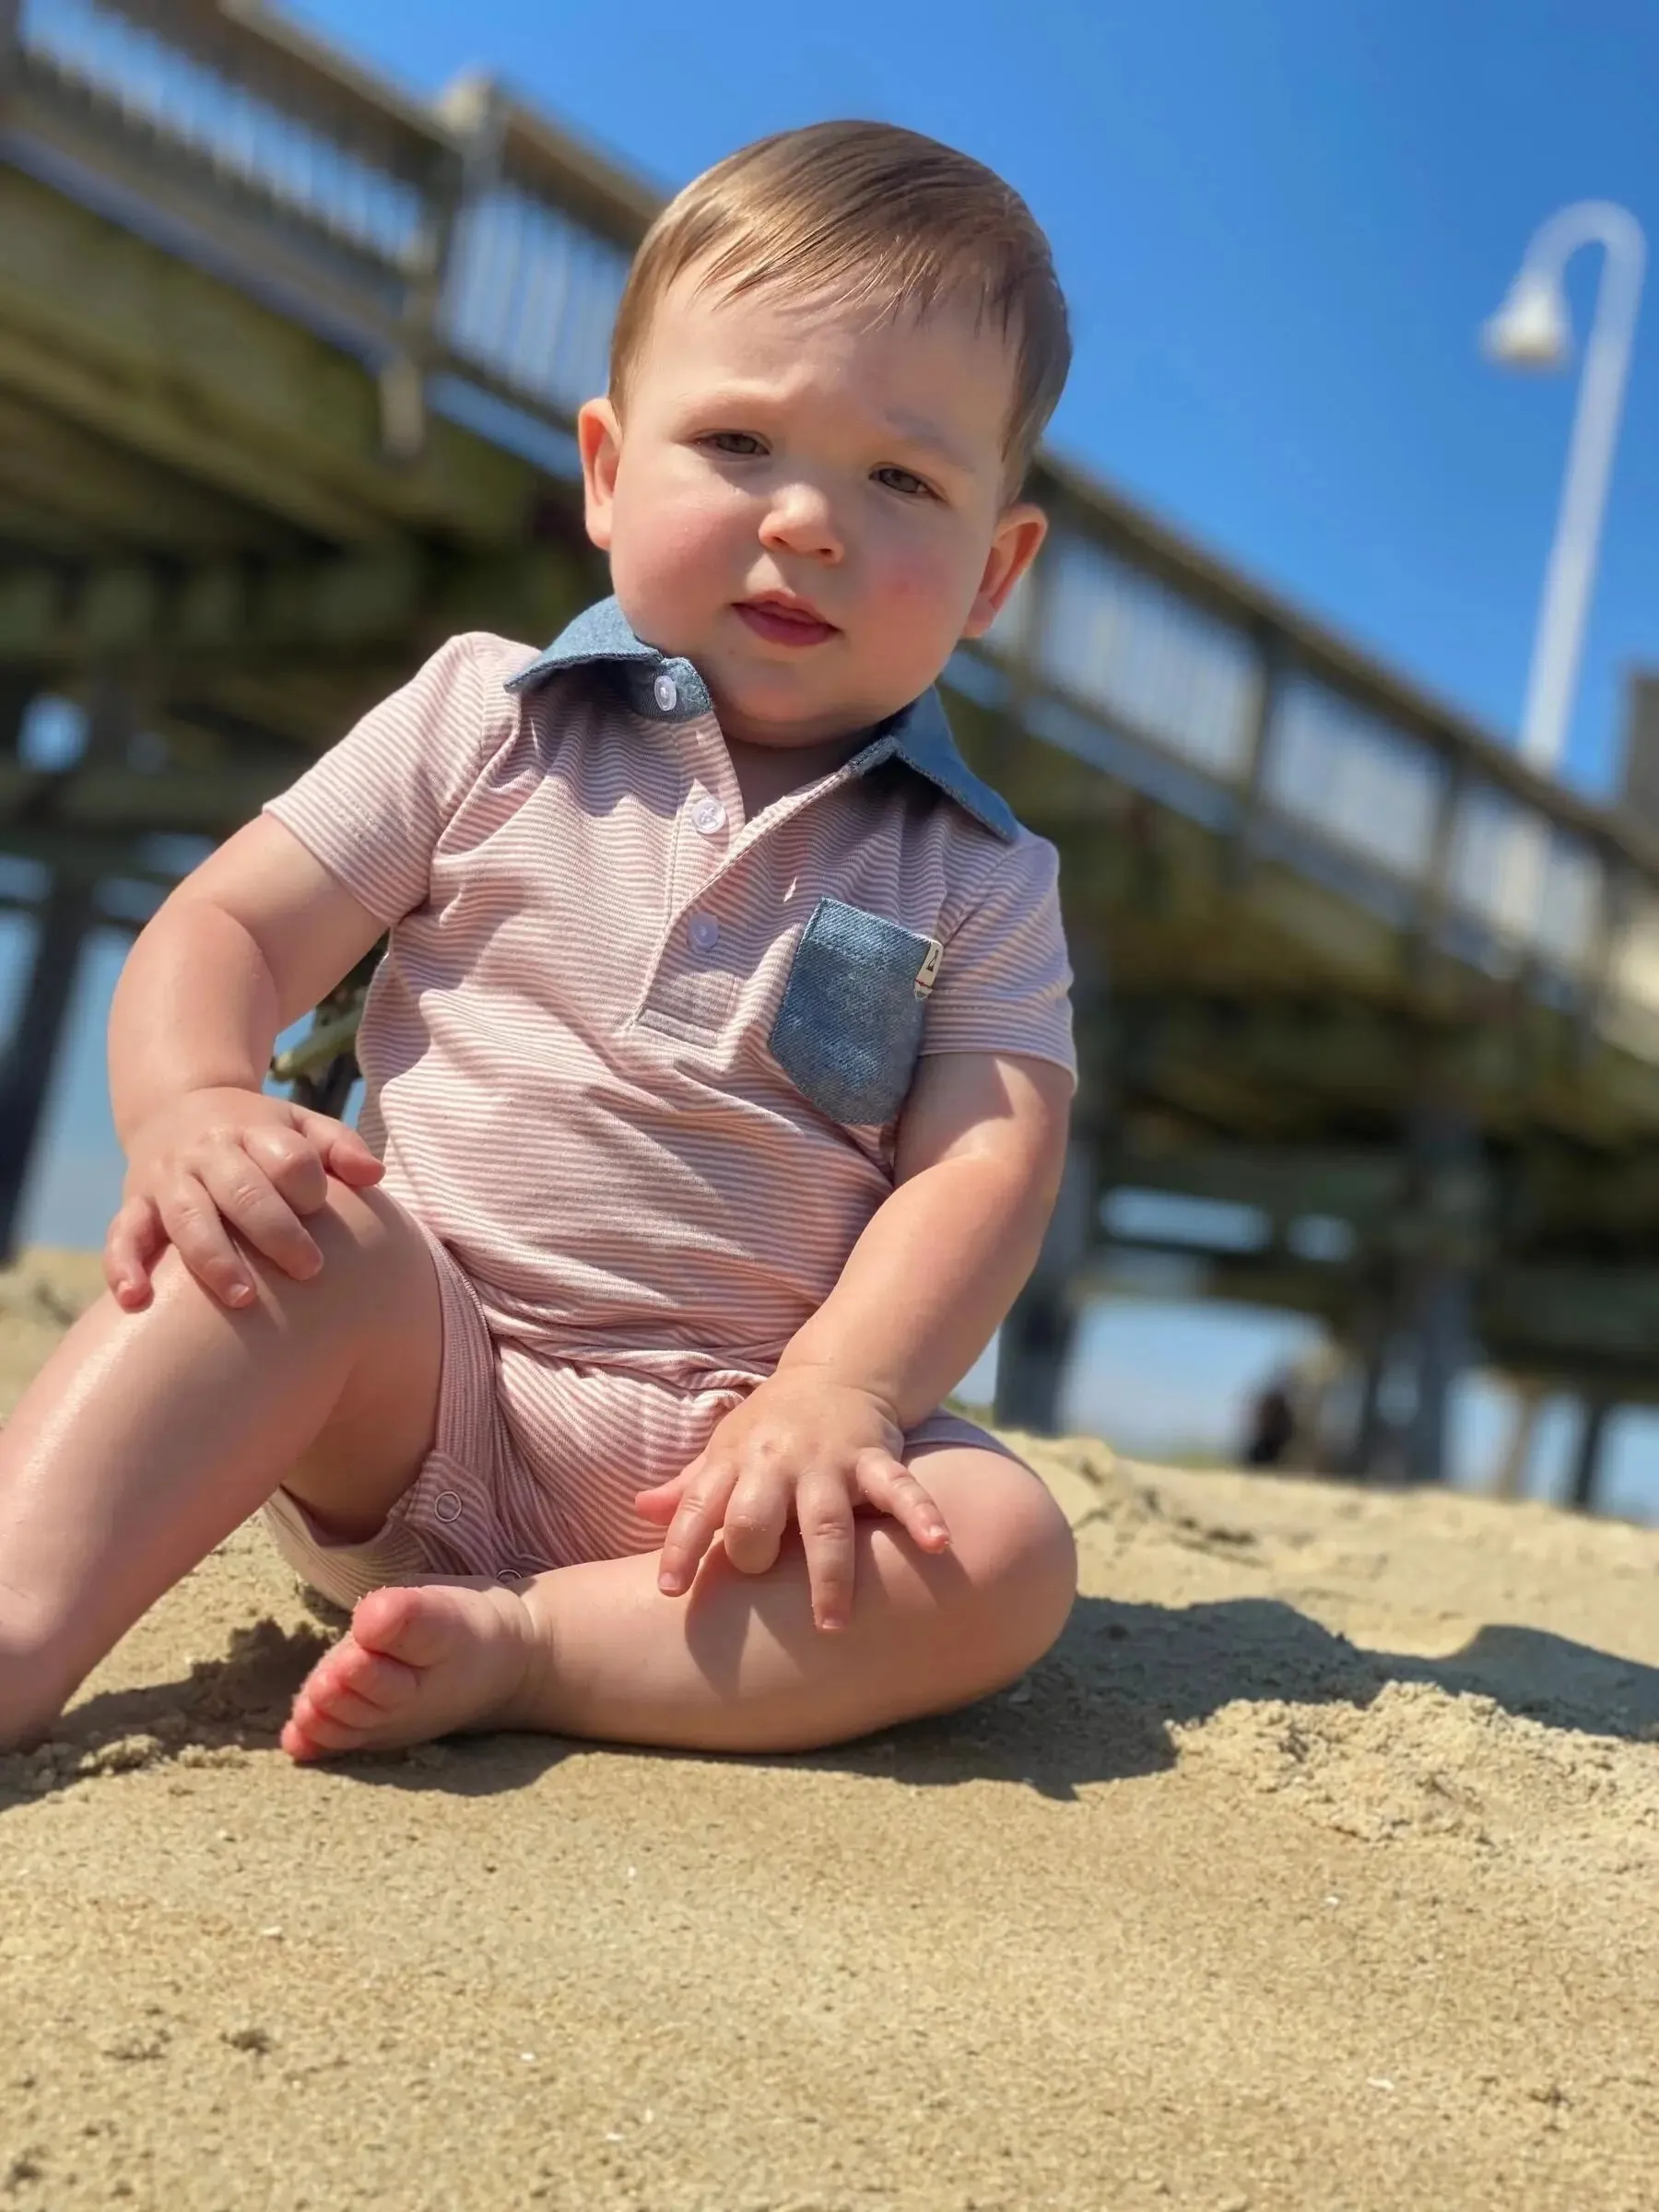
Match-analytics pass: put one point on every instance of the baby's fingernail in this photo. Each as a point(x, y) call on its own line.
point(239, 1294)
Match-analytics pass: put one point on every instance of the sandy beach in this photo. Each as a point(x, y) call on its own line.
point(1319, 1867)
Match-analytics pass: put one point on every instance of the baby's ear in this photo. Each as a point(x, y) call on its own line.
point(1020, 530)
point(599, 440)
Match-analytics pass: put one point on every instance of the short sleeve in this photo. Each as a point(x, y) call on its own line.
point(373, 808)
point(1005, 981)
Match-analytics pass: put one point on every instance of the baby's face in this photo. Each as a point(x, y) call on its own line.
point(808, 509)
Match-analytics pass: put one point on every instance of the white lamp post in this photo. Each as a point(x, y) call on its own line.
point(1533, 330)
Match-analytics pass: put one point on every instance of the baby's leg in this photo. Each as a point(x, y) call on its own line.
point(147, 1437)
point(737, 1666)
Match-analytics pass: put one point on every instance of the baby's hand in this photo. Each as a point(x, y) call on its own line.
point(221, 1160)
point(799, 1447)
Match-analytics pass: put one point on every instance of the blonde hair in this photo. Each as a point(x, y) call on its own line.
point(883, 218)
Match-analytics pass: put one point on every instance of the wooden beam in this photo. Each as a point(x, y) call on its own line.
point(100, 496)
point(301, 76)
point(1312, 1065)
point(186, 615)
point(91, 855)
point(146, 348)
point(1356, 1182)
point(112, 796)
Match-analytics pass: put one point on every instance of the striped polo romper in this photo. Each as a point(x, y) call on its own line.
point(634, 1062)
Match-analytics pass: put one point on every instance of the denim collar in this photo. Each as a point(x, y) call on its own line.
point(667, 688)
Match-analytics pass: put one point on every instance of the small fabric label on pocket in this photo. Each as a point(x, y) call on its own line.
point(927, 975)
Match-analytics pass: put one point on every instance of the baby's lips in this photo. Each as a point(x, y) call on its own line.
point(784, 621)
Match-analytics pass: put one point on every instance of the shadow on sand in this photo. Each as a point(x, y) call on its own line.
point(1099, 1708)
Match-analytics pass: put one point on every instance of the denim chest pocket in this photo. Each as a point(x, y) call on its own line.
point(849, 1026)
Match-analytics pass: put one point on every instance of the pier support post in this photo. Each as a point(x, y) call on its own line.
point(62, 921)
point(1510, 1480)
point(1587, 1457)
point(1035, 1345)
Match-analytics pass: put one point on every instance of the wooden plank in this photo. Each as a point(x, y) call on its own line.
point(86, 856)
point(11, 14)
point(395, 600)
point(320, 87)
point(112, 498)
point(75, 615)
point(337, 279)
point(551, 163)
point(1357, 1183)
point(113, 796)
point(1299, 1067)
point(151, 352)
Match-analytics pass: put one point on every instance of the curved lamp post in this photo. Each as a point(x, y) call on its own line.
point(1533, 330)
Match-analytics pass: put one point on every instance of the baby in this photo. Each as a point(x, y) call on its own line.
point(717, 1070)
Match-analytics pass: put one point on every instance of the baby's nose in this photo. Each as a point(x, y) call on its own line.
point(803, 519)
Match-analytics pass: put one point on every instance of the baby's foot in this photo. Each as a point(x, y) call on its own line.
point(418, 1662)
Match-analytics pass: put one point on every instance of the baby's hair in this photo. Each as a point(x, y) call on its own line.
point(881, 217)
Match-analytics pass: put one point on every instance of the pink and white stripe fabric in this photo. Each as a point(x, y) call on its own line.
point(569, 1075)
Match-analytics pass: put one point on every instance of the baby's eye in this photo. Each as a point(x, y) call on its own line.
point(732, 442)
point(900, 480)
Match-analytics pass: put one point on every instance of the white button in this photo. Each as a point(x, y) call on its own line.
point(707, 815)
point(447, 1506)
point(704, 932)
point(665, 691)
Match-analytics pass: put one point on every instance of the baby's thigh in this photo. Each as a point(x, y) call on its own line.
point(380, 1427)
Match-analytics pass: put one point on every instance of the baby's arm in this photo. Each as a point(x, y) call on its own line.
point(244, 945)
point(981, 1150)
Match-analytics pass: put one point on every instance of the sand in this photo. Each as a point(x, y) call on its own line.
point(1319, 1867)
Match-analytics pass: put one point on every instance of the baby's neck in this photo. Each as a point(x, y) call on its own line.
point(768, 772)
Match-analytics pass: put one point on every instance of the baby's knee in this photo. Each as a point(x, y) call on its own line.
point(367, 1226)
point(1040, 1565)
point(1018, 1559)
point(37, 1677)
point(370, 1251)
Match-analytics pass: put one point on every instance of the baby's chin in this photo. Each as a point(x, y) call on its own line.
point(786, 697)
point(788, 717)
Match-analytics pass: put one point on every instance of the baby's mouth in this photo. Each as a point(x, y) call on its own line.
point(784, 621)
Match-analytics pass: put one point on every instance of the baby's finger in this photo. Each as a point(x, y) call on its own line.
point(342, 1150)
point(192, 1221)
point(888, 1485)
point(292, 1165)
point(825, 1513)
point(661, 1501)
point(700, 1514)
point(243, 1193)
point(756, 1514)
point(130, 1246)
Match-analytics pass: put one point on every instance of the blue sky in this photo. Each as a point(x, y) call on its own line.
point(1280, 224)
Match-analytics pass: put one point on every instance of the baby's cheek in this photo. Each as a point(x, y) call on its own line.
point(919, 579)
point(915, 603)
point(666, 553)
